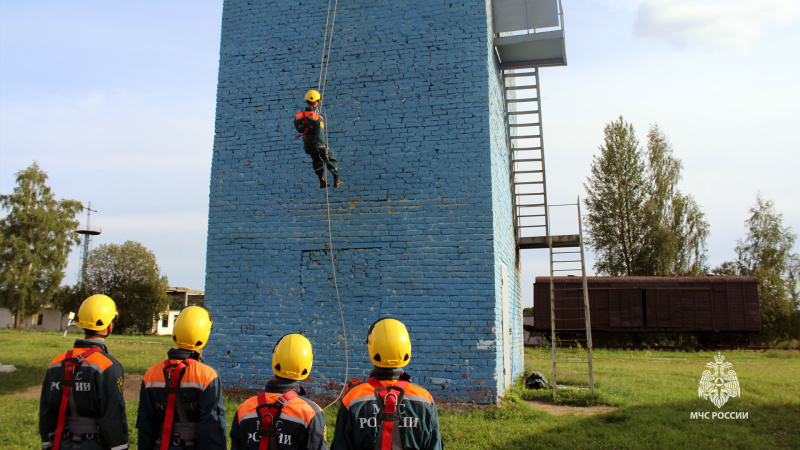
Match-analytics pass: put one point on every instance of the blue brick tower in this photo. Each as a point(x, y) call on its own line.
point(422, 230)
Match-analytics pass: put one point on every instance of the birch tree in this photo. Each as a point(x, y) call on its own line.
point(36, 237)
point(638, 222)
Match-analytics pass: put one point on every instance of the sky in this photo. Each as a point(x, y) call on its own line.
point(116, 102)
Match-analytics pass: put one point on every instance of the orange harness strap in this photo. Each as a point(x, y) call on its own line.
point(174, 376)
point(388, 398)
point(268, 413)
point(305, 115)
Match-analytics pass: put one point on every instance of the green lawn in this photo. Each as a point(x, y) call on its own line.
point(653, 392)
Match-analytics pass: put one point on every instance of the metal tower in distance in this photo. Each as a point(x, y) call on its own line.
point(87, 233)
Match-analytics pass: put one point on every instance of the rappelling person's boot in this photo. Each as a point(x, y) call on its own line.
point(337, 181)
point(322, 183)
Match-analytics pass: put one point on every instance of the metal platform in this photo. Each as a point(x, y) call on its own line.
point(529, 33)
point(566, 240)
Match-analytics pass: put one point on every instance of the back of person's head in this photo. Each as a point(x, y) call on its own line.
point(192, 328)
point(388, 343)
point(292, 357)
point(96, 314)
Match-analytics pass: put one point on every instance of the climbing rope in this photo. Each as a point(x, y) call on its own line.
point(323, 69)
point(339, 302)
point(328, 55)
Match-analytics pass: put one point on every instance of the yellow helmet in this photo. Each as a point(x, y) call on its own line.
point(192, 328)
point(388, 343)
point(313, 96)
point(292, 357)
point(97, 312)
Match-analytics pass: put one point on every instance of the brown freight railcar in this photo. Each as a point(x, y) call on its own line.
point(708, 304)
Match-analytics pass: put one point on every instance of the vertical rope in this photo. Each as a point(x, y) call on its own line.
point(339, 303)
point(324, 41)
point(328, 56)
point(326, 45)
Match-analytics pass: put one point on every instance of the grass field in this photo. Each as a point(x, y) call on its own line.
point(653, 394)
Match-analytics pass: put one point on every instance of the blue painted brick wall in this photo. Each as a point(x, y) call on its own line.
point(414, 111)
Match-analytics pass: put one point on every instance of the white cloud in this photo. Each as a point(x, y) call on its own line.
point(712, 24)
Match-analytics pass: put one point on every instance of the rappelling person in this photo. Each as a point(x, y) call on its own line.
point(180, 401)
point(387, 412)
point(281, 417)
point(81, 406)
point(311, 126)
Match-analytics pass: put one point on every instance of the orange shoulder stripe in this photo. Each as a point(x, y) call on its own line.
point(197, 375)
point(155, 373)
point(358, 391)
point(296, 410)
point(297, 407)
point(308, 114)
point(248, 407)
point(413, 389)
point(366, 390)
point(97, 360)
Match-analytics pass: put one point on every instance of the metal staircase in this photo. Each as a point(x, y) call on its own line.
point(569, 304)
point(529, 34)
point(527, 156)
point(570, 318)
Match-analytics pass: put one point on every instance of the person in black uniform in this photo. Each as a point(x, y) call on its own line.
point(311, 125)
point(387, 411)
point(81, 405)
point(197, 411)
point(281, 417)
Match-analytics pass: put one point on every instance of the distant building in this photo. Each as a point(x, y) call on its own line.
point(180, 297)
point(49, 319)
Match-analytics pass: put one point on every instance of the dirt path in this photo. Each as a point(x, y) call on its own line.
point(131, 392)
point(557, 410)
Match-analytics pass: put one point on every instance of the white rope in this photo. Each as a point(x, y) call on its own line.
point(328, 56)
point(339, 302)
point(327, 41)
point(324, 42)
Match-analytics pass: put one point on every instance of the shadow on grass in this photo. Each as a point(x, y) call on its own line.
point(669, 426)
point(21, 379)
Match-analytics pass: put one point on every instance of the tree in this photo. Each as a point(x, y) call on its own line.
point(615, 202)
point(128, 273)
point(766, 253)
point(637, 221)
point(36, 237)
point(676, 230)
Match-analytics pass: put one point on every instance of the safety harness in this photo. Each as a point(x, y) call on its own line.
point(183, 430)
point(76, 426)
point(268, 414)
point(388, 398)
point(305, 115)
